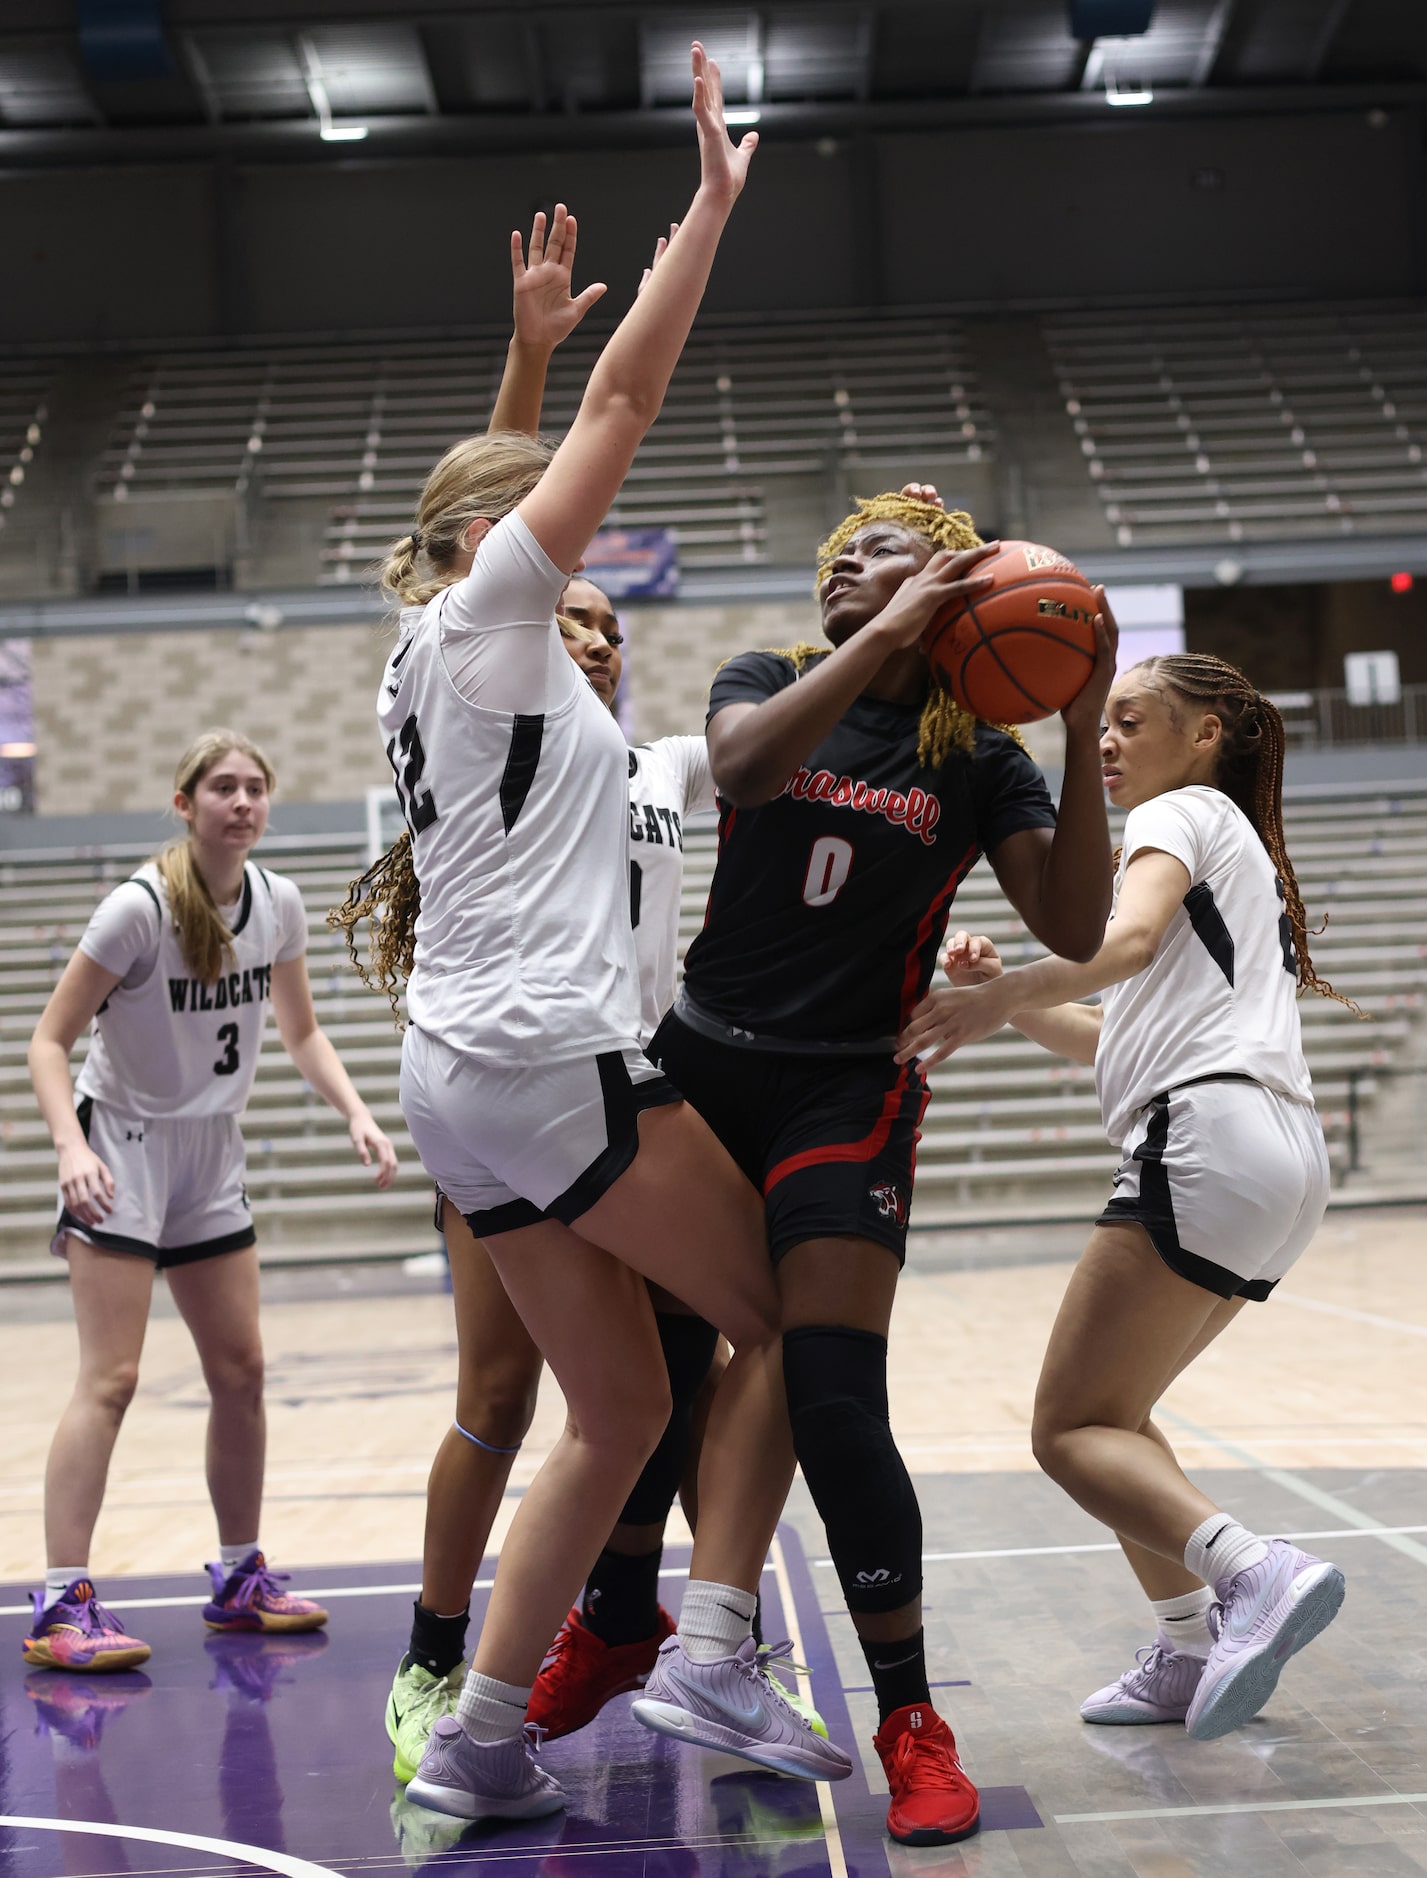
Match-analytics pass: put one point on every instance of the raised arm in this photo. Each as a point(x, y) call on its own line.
point(86, 1183)
point(544, 313)
point(628, 384)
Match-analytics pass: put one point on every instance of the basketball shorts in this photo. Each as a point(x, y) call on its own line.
point(179, 1193)
point(1230, 1181)
point(829, 1141)
point(512, 1146)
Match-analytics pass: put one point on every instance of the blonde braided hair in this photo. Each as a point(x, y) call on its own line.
point(945, 726)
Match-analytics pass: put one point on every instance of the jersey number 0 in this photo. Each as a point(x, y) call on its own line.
point(829, 865)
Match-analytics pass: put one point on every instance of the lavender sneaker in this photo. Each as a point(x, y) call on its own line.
point(1158, 1689)
point(1268, 1612)
point(472, 1781)
point(736, 1707)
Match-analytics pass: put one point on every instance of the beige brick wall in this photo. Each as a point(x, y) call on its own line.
point(113, 713)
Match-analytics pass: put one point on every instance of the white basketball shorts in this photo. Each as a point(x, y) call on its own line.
point(179, 1192)
point(510, 1147)
point(1230, 1181)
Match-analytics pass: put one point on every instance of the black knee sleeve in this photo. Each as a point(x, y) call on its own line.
point(688, 1344)
point(837, 1402)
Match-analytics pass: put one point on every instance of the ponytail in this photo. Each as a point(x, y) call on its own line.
point(389, 895)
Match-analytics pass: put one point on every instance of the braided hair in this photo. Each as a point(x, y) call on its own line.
point(944, 725)
point(1250, 773)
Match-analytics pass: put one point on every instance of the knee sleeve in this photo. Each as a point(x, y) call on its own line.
point(837, 1403)
point(688, 1344)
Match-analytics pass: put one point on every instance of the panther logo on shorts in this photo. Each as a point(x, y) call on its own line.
point(890, 1203)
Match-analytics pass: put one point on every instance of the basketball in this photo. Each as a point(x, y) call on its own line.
point(1023, 649)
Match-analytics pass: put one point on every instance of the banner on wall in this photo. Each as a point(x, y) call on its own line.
point(17, 729)
point(634, 563)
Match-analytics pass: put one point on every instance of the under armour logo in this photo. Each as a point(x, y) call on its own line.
point(130, 1135)
point(880, 1577)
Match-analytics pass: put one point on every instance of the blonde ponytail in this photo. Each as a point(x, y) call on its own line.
point(203, 934)
point(479, 479)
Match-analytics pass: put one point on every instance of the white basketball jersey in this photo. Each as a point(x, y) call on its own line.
point(668, 781)
point(519, 824)
point(164, 1043)
point(1220, 995)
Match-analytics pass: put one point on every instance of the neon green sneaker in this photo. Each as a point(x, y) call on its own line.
point(789, 1685)
point(417, 1702)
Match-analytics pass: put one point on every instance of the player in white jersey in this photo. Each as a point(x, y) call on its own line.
point(528, 1096)
point(176, 971)
point(1199, 1065)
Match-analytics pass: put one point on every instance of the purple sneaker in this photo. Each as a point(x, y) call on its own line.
point(1158, 1689)
point(248, 1598)
point(76, 1632)
point(1268, 1612)
point(734, 1706)
point(474, 1781)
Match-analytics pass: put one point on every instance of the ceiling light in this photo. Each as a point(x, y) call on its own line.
point(1115, 93)
point(737, 115)
point(343, 133)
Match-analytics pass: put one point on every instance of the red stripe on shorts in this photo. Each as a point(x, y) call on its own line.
point(867, 1149)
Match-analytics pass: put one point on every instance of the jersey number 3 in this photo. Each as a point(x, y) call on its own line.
point(227, 1064)
point(418, 805)
point(829, 865)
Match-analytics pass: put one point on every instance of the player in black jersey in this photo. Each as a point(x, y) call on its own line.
point(855, 799)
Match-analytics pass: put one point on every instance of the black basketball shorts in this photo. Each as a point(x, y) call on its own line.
point(830, 1142)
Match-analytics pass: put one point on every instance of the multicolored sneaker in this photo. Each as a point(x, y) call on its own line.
point(76, 1707)
point(76, 1632)
point(933, 1802)
point(1158, 1689)
point(734, 1706)
point(582, 1672)
point(472, 1780)
point(418, 1700)
point(247, 1598)
point(1269, 1612)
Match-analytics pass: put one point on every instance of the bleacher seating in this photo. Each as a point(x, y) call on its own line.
point(24, 389)
point(1252, 424)
point(1009, 1131)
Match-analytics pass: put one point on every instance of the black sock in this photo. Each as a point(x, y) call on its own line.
point(758, 1618)
point(437, 1643)
point(899, 1672)
point(621, 1601)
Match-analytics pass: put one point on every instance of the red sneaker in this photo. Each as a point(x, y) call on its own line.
point(581, 1673)
point(933, 1802)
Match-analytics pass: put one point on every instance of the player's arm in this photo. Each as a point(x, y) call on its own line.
point(317, 1062)
point(1153, 891)
point(756, 748)
point(1059, 881)
point(86, 1183)
point(1071, 1030)
point(544, 313)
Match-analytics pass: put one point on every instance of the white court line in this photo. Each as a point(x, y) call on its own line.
point(224, 1848)
point(832, 1832)
point(1358, 1317)
point(1055, 1551)
point(1315, 1496)
point(1250, 1806)
point(307, 1591)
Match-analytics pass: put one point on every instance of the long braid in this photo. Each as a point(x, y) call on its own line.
point(388, 894)
point(1250, 774)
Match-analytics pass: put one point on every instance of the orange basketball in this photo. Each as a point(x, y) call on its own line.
point(1022, 649)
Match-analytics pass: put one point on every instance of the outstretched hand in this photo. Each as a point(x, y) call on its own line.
point(970, 960)
point(723, 165)
point(949, 1019)
point(544, 310)
point(1086, 709)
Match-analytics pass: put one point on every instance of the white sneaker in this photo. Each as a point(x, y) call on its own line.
point(472, 1780)
point(734, 1706)
point(1159, 1688)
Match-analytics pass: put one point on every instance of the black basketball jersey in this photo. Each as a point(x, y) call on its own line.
point(829, 903)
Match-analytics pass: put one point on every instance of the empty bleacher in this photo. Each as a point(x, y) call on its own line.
point(1010, 1131)
point(1250, 425)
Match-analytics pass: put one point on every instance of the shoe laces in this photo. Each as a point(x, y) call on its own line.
point(766, 1655)
point(1148, 1662)
point(263, 1579)
point(925, 1760)
point(95, 1621)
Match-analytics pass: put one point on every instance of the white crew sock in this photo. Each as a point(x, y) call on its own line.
point(233, 1555)
point(1220, 1548)
point(58, 1579)
point(491, 1711)
point(1183, 1623)
point(714, 1620)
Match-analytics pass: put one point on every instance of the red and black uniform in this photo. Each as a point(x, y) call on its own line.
point(824, 923)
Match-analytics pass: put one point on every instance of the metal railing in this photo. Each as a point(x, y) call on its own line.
point(1320, 720)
